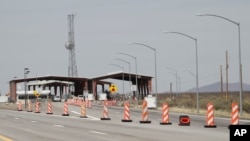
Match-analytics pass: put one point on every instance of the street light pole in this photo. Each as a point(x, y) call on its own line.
point(196, 55)
point(122, 75)
point(136, 75)
point(156, 92)
point(129, 76)
point(26, 71)
point(239, 44)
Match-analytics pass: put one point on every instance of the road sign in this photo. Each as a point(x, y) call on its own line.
point(113, 88)
point(36, 93)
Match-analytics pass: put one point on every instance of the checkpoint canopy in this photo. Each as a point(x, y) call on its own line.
point(80, 83)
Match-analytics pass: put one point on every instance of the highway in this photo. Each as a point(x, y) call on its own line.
point(25, 126)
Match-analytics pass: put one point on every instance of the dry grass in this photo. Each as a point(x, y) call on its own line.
point(186, 103)
point(217, 113)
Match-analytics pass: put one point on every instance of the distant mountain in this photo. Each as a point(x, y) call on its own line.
point(216, 87)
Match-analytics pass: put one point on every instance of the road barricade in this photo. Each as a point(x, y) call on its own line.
point(210, 116)
point(49, 108)
point(145, 113)
point(105, 111)
point(65, 109)
point(165, 115)
point(126, 113)
point(37, 107)
point(29, 107)
point(235, 114)
point(19, 106)
point(83, 110)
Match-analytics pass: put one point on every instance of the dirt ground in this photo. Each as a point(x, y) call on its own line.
point(8, 106)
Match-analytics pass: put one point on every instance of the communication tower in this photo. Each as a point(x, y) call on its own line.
point(70, 45)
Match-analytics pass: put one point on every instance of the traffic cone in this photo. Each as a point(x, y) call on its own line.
point(126, 114)
point(83, 110)
point(165, 116)
point(49, 108)
point(145, 113)
point(235, 114)
point(210, 116)
point(29, 107)
point(105, 111)
point(19, 106)
point(37, 107)
point(65, 109)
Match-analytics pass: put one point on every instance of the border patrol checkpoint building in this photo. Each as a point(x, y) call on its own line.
point(81, 85)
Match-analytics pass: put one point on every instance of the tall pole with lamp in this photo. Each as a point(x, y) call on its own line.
point(26, 71)
point(154, 49)
point(129, 75)
point(136, 75)
point(239, 46)
point(196, 56)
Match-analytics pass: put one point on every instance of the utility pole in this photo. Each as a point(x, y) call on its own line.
point(171, 90)
point(221, 80)
point(227, 75)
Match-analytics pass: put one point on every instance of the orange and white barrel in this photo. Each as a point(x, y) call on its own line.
point(165, 115)
point(29, 107)
point(19, 106)
point(235, 114)
point(145, 113)
point(49, 108)
point(65, 109)
point(105, 111)
point(210, 116)
point(37, 107)
point(126, 113)
point(83, 110)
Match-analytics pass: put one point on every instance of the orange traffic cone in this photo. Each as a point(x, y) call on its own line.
point(126, 114)
point(145, 113)
point(83, 110)
point(49, 108)
point(210, 116)
point(65, 109)
point(105, 111)
point(165, 116)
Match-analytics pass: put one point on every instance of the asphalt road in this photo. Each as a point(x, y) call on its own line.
point(25, 126)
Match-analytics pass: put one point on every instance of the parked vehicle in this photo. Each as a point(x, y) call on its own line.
point(56, 98)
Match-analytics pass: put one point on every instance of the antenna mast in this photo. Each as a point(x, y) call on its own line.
point(70, 45)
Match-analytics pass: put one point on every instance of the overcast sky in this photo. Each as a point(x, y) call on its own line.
point(33, 34)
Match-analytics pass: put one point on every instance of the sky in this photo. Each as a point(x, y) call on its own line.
point(33, 34)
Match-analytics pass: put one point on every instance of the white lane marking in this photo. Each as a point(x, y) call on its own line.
point(92, 118)
point(16, 118)
point(56, 125)
point(96, 132)
point(33, 121)
point(75, 112)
